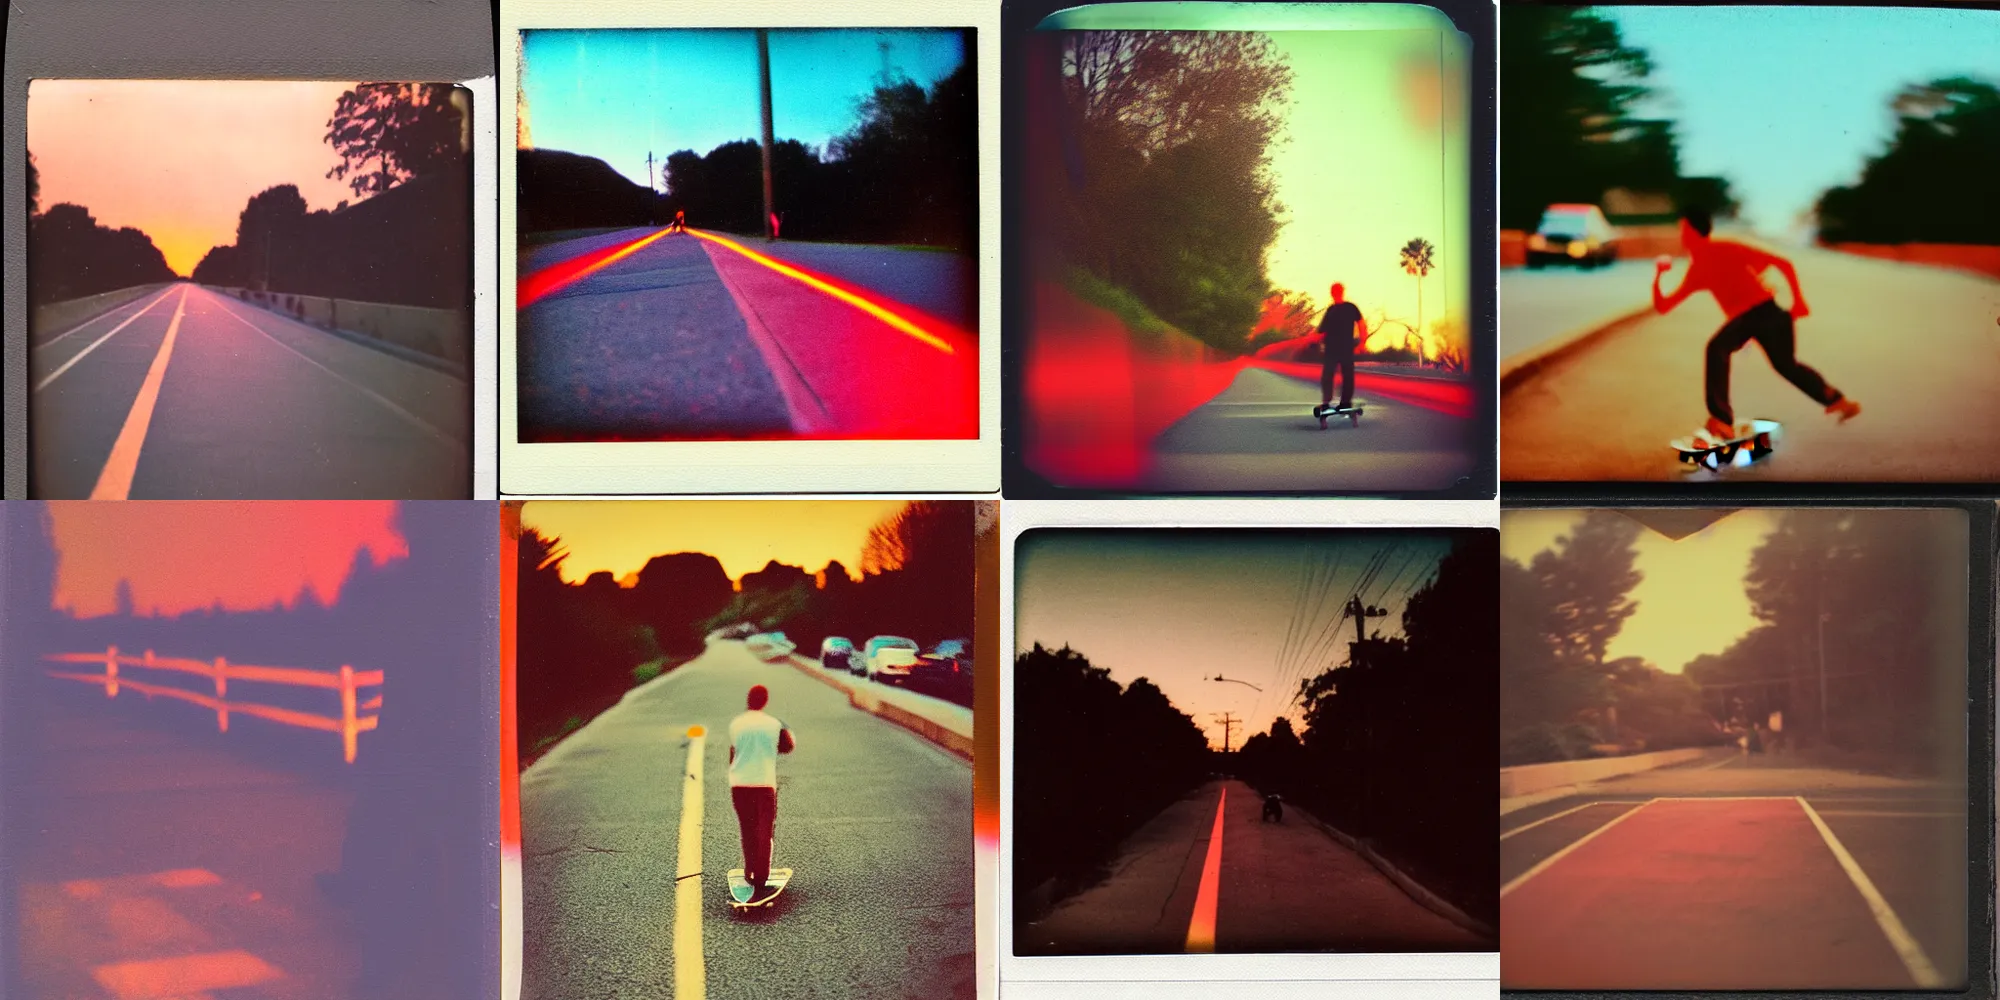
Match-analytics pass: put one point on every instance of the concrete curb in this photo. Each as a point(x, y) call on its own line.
point(1411, 887)
point(1520, 802)
point(866, 701)
point(1519, 370)
point(394, 350)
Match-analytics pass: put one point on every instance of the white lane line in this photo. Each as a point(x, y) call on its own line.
point(1724, 762)
point(1543, 865)
point(418, 422)
point(690, 968)
point(115, 482)
point(1525, 827)
point(1919, 965)
point(107, 314)
point(1892, 815)
point(71, 363)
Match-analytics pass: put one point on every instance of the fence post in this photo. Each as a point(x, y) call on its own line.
point(349, 729)
point(111, 672)
point(221, 695)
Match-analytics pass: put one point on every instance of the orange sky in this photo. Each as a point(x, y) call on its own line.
point(185, 555)
point(179, 159)
point(621, 535)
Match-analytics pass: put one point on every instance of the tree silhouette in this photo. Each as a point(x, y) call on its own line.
point(71, 256)
point(1934, 181)
point(1416, 257)
point(34, 186)
point(388, 133)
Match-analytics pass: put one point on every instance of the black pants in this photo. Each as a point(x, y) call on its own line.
point(756, 814)
point(1771, 327)
point(1342, 361)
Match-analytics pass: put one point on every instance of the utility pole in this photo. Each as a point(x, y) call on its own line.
point(649, 173)
point(764, 79)
point(1229, 723)
point(1360, 613)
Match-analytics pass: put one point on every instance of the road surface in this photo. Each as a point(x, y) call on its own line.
point(876, 822)
point(189, 394)
point(1717, 876)
point(1280, 887)
point(1541, 308)
point(1259, 435)
point(641, 335)
point(1918, 347)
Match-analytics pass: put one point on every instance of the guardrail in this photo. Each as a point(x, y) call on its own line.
point(441, 334)
point(69, 313)
point(1526, 779)
point(346, 682)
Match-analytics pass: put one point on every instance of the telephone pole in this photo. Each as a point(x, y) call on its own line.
point(649, 173)
point(1360, 613)
point(764, 79)
point(1229, 723)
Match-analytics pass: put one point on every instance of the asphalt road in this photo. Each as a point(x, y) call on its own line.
point(1713, 876)
point(239, 403)
point(1541, 308)
point(1280, 887)
point(1259, 435)
point(876, 823)
point(689, 337)
point(1917, 346)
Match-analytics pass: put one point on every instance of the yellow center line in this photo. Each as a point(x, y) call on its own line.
point(115, 482)
point(690, 969)
point(842, 294)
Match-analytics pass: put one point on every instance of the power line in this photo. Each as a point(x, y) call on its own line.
point(1229, 723)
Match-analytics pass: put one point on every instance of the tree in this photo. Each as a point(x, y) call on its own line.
point(1589, 576)
point(71, 255)
point(388, 133)
point(1416, 257)
point(1933, 183)
point(123, 601)
point(34, 186)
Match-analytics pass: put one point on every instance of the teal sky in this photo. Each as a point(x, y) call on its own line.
point(1789, 101)
point(618, 94)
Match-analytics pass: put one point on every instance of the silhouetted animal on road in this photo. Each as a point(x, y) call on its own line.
point(1274, 809)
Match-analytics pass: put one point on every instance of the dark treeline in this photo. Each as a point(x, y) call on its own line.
point(1560, 697)
point(72, 256)
point(1156, 181)
point(582, 646)
point(406, 244)
point(1093, 761)
point(1935, 182)
point(907, 173)
point(1386, 751)
point(1570, 123)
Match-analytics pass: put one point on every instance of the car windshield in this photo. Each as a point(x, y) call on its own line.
point(950, 647)
point(1565, 221)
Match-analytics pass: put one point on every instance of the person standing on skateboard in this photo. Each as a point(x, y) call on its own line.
point(1732, 272)
point(1341, 330)
point(755, 741)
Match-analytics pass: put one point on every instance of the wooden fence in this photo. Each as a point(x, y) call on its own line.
point(346, 682)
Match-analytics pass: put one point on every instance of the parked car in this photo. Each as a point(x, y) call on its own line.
point(951, 658)
point(836, 652)
point(740, 630)
point(889, 657)
point(1573, 234)
point(768, 646)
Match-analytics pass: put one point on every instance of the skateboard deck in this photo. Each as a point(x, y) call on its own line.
point(740, 889)
point(1352, 413)
point(1739, 451)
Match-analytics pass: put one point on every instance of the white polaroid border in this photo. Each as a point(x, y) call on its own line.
point(759, 467)
point(1431, 976)
point(485, 279)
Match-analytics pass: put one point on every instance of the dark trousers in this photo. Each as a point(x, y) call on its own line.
point(1341, 361)
point(756, 814)
point(1771, 327)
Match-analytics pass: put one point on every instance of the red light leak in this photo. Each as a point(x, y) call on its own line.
point(540, 284)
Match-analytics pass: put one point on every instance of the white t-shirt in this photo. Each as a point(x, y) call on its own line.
point(755, 735)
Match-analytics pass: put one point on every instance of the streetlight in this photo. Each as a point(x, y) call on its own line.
point(1231, 680)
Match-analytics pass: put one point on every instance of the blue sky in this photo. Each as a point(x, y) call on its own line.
point(1788, 101)
point(617, 94)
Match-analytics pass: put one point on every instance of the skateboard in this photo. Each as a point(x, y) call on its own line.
point(1752, 443)
point(740, 889)
point(1352, 413)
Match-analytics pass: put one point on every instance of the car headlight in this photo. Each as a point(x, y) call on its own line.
point(1578, 249)
point(1537, 242)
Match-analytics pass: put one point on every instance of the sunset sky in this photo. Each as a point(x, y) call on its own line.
point(1691, 601)
point(180, 159)
point(1177, 606)
point(185, 555)
point(621, 535)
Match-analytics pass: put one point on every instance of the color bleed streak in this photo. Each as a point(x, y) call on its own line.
point(511, 929)
point(850, 296)
point(539, 284)
point(1201, 929)
point(1448, 397)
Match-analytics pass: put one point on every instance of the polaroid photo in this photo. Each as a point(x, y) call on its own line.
point(1250, 249)
point(739, 742)
point(254, 289)
point(1679, 182)
point(750, 248)
point(249, 749)
point(1249, 750)
point(1739, 747)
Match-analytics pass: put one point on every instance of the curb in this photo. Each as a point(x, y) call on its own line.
point(1532, 799)
point(957, 743)
point(1514, 373)
point(1415, 890)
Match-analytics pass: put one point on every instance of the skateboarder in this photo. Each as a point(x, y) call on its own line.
point(755, 741)
point(1732, 272)
point(1341, 330)
point(680, 221)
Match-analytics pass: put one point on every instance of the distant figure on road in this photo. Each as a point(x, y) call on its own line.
point(1341, 330)
point(1731, 272)
point(1777, 728)
point(755, 741)
point(1274, 808)
point(680, 223)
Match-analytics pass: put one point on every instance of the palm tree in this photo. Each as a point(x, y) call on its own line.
point(1416, 257)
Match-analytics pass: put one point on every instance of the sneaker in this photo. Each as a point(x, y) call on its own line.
point(1847, 409)
point(1717, 431)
